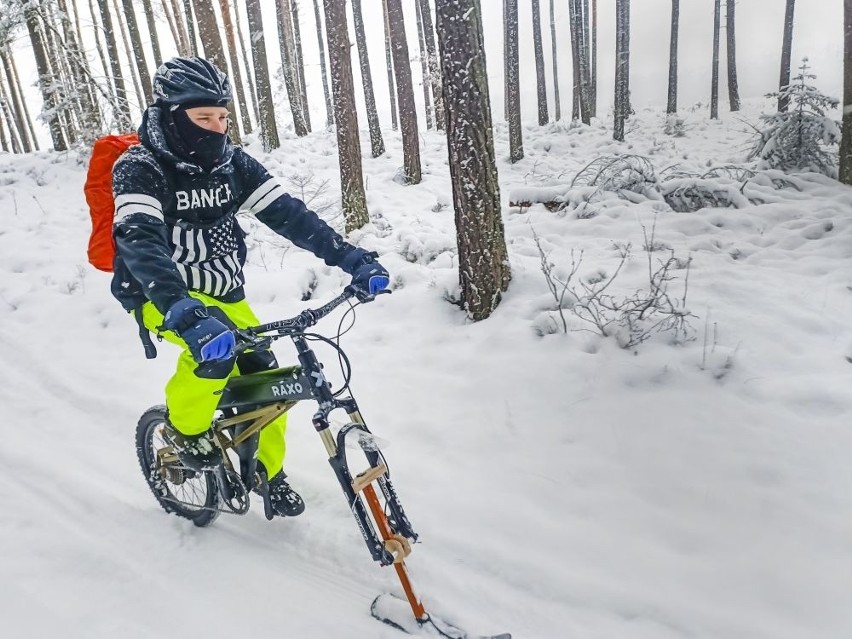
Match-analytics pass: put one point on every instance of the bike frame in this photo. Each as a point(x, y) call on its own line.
point(251, 402)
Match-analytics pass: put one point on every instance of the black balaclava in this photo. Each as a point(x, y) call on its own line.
point(191, 142)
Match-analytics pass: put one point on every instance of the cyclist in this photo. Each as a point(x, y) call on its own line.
point(180, 254)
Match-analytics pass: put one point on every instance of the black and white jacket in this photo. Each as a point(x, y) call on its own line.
point(175, 224)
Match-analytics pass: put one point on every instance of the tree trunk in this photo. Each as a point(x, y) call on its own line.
point(138, 59)
point(483, 260)
point(152, 32)
point(46, 79)
point(512, 80)
point(300, 65)
point(622, 68)
point(178, 27)
point(404, 93)
point(434, 66)
point(125, 41)
point(268, 129)
point(329, 117)
point(714, 88)
point(786, 52)
point(574, 24)
point(122, 106)
point(424, 67)
point(557, 109)
point(593, 80)
point(236, 74)
point(16, 103)
point(345, 116)
point(377, 143)
point(20, 90)
point(733, 87)
point(389, 62)
point(16, 135)
point(846, 110)
point(249, 69)
point(541, 86)
point(585, 72)
point(190, 27)
point(288, 59)
point(90, 121)
point(671, 107)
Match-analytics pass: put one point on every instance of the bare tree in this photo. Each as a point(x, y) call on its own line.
point(190, 26)
point(300, 65)
point(846, 140)
point(15, 105)
point(576, 74)
point(389, 62)
point(122, 106)
point(288, 60)
point(786, 52)
point(175, 26)
point(15, 141)
point(424, 67)
point(593, 76)
point(672, 102)
point(148, 10)
point(714, 87)
point(249, 68)
point(377, 143)
point(138, 60)
point(404, 93)
point(541, 85)
point(235, 64)
point(266, 108)
point(90, 121)
point(622, 67)
point(733, 87)
point(434, 67)
point(46, 79)
point(329, 117)
point(483, 261)
point(345, 116)
point(585, 71)
point(512, 79)
point(557, 106)
point(124, 38)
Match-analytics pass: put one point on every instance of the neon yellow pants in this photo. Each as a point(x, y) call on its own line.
point(192, 400)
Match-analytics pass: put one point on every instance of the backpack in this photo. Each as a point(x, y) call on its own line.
point(98, 190)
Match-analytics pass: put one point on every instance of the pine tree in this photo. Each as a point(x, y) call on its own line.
point(377, 142)
point(268, 129)
point(733, 85)
point(786, 53)
point(846, 143)
point(541, 85)
point(404, 93)
point(512, 80)
point(671, 106)
point(714, 86)
point(799, 139)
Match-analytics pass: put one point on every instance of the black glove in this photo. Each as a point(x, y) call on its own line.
point(368, 276)
point(207, 338)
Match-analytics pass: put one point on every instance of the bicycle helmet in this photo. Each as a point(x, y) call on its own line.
point(191, 82)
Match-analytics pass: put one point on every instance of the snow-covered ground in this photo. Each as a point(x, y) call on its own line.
point(562, 486)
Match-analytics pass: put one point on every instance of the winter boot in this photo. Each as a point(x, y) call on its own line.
point(198, 452)
point(285, 501)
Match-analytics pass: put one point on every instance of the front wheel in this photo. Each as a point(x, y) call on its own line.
point(186, 493)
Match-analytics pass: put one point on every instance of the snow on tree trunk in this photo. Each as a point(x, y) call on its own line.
point(248, 67)
point(786, 53)
point(46, 79)
point(300, 65)
point(138, 59)
point(434, 70)
point(574, 23)
point(288, 60)
point(124, 38)
point(557, 107)
point(121, 105)
point(377, 143)
point(17, 112)
point(190, 27)
point(14, 143)
point(593, 79)
point(424, 67)
point(170, 10)
point(512, 80)
point(585, 72)
point(389, 62)
point(671, 107)
point(622, 68)
point(151, 21)
point(90, 120)
point(733, 87)
point(236, 74)
point(329, 110)
point(404, 93)
point(265, 106)
point(345, 115)
point(714, 77)
point(483, 263)
point(538, 47)
point(846, 142)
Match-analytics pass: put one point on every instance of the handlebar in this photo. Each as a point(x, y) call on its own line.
point(259, 337)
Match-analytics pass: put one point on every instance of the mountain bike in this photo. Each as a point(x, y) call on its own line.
point(251, 402)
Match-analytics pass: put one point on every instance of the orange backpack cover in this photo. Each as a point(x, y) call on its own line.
point(98, 190)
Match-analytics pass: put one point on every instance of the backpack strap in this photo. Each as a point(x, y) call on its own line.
point(144, 335)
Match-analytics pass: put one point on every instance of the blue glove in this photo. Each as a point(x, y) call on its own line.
point(368, 275)
point(207, 338)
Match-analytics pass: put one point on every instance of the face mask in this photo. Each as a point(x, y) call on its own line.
point(198, 145)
